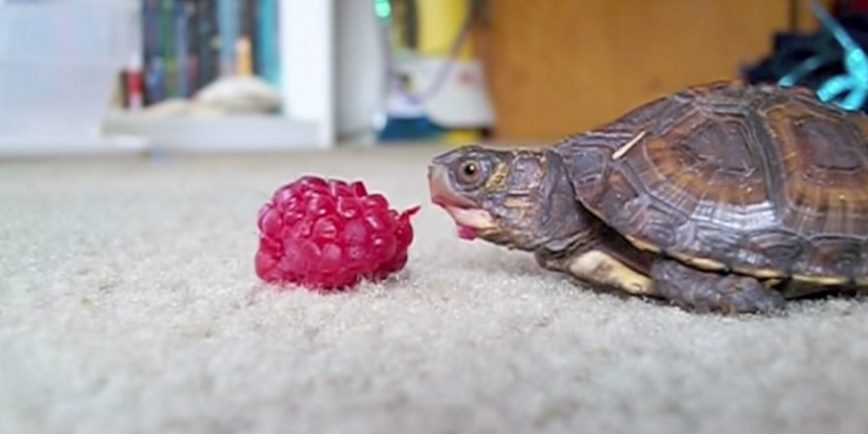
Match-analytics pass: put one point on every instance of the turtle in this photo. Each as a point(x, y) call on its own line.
point(719, 197)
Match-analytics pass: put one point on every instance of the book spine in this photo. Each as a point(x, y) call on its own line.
point(267, 58)
point(251, 18)
point(168, 49)
point(250, 12)
point(191, 12)
point(227, 23)
point(153, 68)
point(181, 44)
point(208, 42)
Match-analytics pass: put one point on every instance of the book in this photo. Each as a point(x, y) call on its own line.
point(266, 55)
point(192, 47)
point(152, 64)
point(208, 42)
point(167, 48)
point(188, 44)
point(179, 20)
point(228, 23)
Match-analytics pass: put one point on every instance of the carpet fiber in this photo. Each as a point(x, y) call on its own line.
point(128, 304)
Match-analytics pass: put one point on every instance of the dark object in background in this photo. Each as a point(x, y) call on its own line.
point(843, 7)
point(823, 61)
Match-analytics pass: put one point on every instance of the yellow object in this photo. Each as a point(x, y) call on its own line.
point(462, 137)
point(244, 57)
point(439, 24)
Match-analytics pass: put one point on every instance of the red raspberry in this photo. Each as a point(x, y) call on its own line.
point(327, 234)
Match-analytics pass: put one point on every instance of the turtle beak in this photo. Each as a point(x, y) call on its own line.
point(441, 193)
point(468, 216)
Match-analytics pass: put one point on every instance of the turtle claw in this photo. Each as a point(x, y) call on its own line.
point(746, 294)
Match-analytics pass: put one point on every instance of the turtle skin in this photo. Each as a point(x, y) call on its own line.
point(757, 180)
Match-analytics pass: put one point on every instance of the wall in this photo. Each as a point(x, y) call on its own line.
point(560, 66)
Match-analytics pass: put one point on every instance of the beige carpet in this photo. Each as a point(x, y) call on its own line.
point(128, 304)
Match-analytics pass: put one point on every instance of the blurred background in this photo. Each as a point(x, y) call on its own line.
point(133, 76)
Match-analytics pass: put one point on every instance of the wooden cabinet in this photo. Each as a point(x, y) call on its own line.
point(560, 66)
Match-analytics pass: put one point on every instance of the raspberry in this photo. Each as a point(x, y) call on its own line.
point(328, 234)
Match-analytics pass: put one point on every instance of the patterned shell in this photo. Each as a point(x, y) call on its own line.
point(759, 180)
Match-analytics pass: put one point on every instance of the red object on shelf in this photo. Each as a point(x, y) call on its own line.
point(134, 87)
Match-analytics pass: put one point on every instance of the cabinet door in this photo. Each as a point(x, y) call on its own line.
point(560, 66)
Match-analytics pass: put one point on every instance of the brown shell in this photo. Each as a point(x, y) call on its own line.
point(761, 180)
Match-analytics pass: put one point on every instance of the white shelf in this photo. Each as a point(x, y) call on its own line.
point(229, 133)
point(66, 146)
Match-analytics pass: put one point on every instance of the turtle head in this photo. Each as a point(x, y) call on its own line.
point(520, 198)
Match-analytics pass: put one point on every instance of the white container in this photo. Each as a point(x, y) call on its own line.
point(59, 64)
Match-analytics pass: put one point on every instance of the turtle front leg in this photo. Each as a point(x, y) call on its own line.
point(704, 291)
point(601, 268)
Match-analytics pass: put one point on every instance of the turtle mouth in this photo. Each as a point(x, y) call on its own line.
point(470, 219)
point(470, 222)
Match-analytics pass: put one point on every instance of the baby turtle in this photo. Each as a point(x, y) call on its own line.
point(721, 197)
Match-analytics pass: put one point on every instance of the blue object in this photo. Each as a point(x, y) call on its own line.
point(228, 26)
point(399, 129)
point(266, 41)
point(849, 90)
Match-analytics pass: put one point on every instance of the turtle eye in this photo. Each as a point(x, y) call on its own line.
point(470, 172)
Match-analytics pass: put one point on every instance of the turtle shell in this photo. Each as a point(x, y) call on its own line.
point(760, 180)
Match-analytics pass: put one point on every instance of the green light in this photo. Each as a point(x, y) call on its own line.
point(383, 8)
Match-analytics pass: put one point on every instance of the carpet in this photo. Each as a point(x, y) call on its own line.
point(128, 304)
